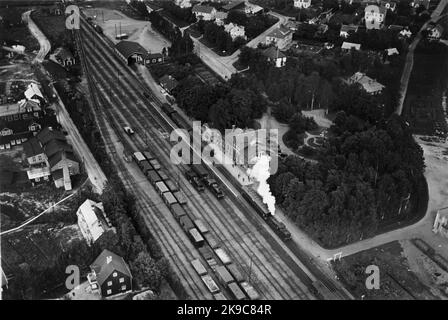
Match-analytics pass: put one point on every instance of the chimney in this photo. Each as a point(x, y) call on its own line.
point(108, 259)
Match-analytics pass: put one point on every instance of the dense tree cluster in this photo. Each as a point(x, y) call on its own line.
point(222, 106)
point(183, 14)
point(362, 178)
point(217, 37)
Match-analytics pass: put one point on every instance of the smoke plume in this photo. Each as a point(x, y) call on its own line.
point(260, 171)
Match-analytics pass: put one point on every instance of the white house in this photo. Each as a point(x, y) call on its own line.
point(206, 13)
point(368, 84)
point(235, 31)
point(250, 8)
point(220, 17)
point(349, 46)
point(274, 55)
point(374, 16)
point(33, 92)
point(405, 33)
point(183, 3)
point(441, 222)
point(302, 4)
point(92, 221)
point(281, 37)
point(435, 31)
point(19, 49)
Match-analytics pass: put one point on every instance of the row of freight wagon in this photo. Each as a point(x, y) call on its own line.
point(198, 174)
point(209, 248)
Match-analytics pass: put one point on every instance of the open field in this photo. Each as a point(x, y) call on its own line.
point(114, 22)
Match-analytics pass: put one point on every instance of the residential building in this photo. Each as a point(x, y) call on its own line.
point(391, 52)
point(205, 13)
point(435, 31)
point(154, 58)
point(220, 16)
point(281, 37)
point(22, 110)
point(92, 221)
point(235, 31)
point(183, 3)
point(63, 159)
point(368, 84)
point(302, 4)
point(250, 8)
point(405, 33)
point(346, 29)
point(16, 132)
point(389, 5)
point(110, 274)
point(33, 93)
point(168, 83)
point(234, 5)
point(274, 55)
point(441, 223)
point(420, 3)
point(347, 46)
point(374, 16)
point(63, 57)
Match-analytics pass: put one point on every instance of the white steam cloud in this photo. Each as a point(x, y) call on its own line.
point(260, 171)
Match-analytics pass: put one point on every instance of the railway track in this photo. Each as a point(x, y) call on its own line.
point(283, 283)
point(179, 254)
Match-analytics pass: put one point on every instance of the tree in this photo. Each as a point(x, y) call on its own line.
point(145, 271)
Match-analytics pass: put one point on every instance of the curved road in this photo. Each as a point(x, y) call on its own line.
point(44, 44)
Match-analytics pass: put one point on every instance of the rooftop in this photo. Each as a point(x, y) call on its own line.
point(203, 9)
point(108, 262)
point(369, 84)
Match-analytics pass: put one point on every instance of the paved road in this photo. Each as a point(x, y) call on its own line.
point(44, 44)
point(404, 82)
point(224, 65)
point(94, 171)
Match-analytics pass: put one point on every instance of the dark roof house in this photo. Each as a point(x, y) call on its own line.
point(168, 82)
point(111, 273)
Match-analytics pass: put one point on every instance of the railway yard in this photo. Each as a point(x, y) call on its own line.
point(267, 267)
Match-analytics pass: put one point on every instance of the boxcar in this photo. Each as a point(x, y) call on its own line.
point(161, 187)
point(138, 157)
point(237, 293)
point(171, 185)
point(177, 211)
point(163, 175)
point(186, 223)
point(249, 291)
point(155, 164)
point(235, 272)
point(197, 265)
point(222, 255)
point(211, 240)
point(219, 296)
point(210, 283)
point(148, 155)
point(169, 198)
point(145, 166)
point(223, 275)
point(196, 237)
point(180, 196)
point(201, 226)
point(153, 176)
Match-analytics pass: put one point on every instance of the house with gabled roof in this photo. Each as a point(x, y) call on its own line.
point(346, 29)
point(274, 55)
point(347, 46)
point(92, 220)
point(281, 37)
point(205, 13)
point(110, 274)
point(368, 84)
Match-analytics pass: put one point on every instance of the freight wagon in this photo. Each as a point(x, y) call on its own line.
point(237, 293)
point(223, 275)
point(177, 211)
point(196, 237)
point(235, 272)
point(222, 255)
point(249, 291)
point(197, 265)
point(210, 283)
point(201, 226)
point(180, 196)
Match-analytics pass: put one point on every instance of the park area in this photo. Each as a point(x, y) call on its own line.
point(114, 22)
